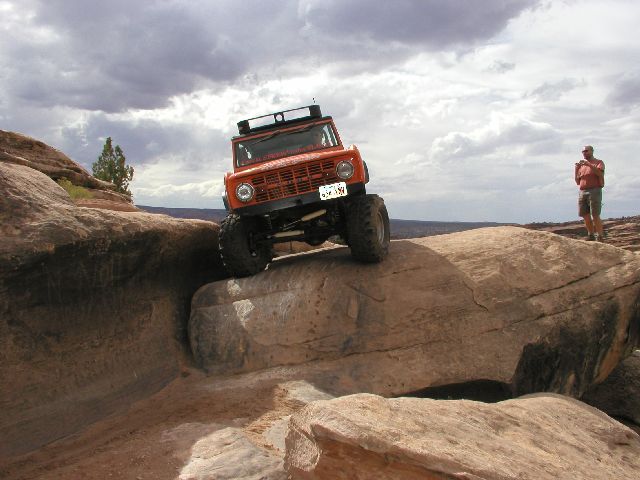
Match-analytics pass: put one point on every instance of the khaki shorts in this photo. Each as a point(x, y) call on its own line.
point(590, 202)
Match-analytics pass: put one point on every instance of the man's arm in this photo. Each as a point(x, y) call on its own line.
point(576, 174)
point(597, 170)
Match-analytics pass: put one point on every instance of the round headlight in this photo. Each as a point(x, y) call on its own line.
point(244, 192)
point(344, 170)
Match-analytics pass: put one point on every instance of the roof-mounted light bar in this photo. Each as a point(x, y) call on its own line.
point(272, 120)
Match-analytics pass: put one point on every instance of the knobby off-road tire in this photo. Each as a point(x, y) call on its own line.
point(368, 228)
point(238, 257)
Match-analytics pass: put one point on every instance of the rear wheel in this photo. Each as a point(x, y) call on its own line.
point(240, 256)
point(368, 232)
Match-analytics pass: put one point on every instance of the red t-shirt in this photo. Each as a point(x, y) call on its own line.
point(588, 179)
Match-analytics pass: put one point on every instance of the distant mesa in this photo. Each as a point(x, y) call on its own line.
point(399, 228)
point(621, 232)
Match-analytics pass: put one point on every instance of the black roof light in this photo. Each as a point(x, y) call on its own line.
point(277, 119)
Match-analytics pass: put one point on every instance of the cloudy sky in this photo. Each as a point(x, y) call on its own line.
point(468, 110)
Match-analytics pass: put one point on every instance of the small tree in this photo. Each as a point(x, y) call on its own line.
point(111, 166)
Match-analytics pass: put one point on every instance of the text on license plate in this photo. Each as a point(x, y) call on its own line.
point(333, 190)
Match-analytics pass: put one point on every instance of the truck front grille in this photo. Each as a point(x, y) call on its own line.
point(287, 182)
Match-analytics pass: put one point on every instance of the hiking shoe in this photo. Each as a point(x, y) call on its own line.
point(599, 239)
point(591, 237)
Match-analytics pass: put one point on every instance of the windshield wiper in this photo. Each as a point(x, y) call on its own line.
point(275, 134)
point(268, 137)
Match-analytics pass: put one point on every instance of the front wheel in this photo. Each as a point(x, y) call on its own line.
point(240, 256)
point(368, 228)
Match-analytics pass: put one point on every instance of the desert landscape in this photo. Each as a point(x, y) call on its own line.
point(487, 352)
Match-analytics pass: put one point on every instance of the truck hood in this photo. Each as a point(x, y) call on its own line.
point(296, 159)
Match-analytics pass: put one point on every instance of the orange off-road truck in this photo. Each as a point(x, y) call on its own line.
point(293, 179)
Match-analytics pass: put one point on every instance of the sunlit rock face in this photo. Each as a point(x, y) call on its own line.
point(531, 310)
point(93, 306)
point(537, 437)
point(620, 232)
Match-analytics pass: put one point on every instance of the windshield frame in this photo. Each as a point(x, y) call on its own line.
point(248, 151)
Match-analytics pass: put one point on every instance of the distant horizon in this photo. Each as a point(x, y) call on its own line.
point(391, 218)
point(579, 220)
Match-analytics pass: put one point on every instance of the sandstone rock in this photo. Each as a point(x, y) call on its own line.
point(104, 204)
point(23, 150)
point(531, 438)
point(228, 454)
point(621, 232)
point(93, 306)
point(619, 394)
point(532, 310)
point(249, 449)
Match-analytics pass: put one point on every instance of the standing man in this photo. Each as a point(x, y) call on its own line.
point(589, 175)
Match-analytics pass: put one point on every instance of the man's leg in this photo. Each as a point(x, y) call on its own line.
point(588, 224)
point(595, 205)
point(584, 210)
point(597, 225)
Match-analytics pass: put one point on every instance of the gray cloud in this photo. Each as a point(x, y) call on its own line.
point(500, 66)
point(626, 91)
point(117, 55)
point(528, 137)
point(551, 91)
point(428, 23)
point(144, 142)
point(113, 56)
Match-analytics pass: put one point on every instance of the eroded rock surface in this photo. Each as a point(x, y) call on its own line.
point(93, 306)
point(228, 454)
point(621, 232)
point(20, 149)
point(531, 438)
point(532, 310)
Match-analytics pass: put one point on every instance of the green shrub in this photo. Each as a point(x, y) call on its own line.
point(74, 191)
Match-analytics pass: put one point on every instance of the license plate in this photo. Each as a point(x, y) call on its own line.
point(333, 190)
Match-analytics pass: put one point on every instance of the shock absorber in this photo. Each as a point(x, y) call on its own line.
point(268, 220)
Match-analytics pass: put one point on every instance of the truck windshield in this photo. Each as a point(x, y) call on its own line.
point(284, 144)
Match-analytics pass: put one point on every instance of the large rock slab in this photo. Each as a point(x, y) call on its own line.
point(228, 454)
point(93, 306)
point(532, 310)
point(537, 437)
point(619, 394)
point(23, 150)
point(621, 232)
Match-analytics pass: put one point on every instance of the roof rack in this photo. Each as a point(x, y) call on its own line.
point(278, 119)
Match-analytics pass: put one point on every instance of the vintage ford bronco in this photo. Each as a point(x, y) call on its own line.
point(294, 180)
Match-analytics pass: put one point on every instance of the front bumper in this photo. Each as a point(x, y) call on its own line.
point(297, 201)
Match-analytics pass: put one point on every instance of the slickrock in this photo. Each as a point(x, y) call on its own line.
point(620, 232)
point(19, 149)
point(536, 437)
point(93, 306)
point(531, 310)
